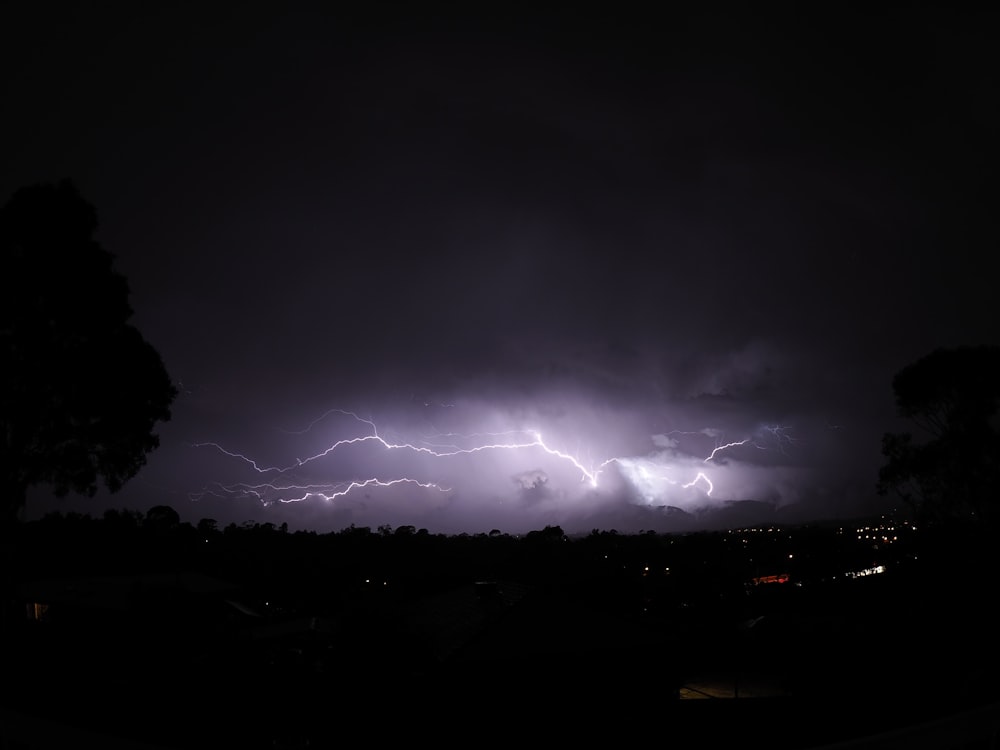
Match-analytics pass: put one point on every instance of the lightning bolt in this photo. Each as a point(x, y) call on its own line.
point(535, 441)
point(700, 477)
point(645, 480)
point(284, 489)
point(328, 492)
point(718, 448)
point(781, 435)
point(323, 416)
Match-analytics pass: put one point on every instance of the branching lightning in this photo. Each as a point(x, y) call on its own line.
point(307, 491)
point(645, 473)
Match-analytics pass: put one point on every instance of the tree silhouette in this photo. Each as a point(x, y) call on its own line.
point(80, 388)
point(162, 517)
point(950, 469)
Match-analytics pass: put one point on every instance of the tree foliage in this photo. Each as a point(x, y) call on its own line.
point(949, 467)
point(80, 388)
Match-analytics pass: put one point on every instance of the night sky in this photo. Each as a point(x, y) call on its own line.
point(628, 271)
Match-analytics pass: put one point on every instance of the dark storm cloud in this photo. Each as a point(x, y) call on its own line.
point(651, 237)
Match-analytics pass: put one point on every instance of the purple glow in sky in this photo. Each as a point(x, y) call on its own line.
point(468, 464)
point(688, 250)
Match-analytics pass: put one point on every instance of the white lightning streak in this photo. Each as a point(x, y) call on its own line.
point(724, 447)
point(535, 442)
point(451, 445)
point(700, 477)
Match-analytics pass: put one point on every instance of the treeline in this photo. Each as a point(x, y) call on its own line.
point(306, 569)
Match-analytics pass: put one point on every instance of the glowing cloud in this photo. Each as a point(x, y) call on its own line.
point(558, 458)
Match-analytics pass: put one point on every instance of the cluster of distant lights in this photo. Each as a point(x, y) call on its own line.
point(744, 533)
point(863, 533)
point(874, 570)
point(881, 533)
point(877, 534)
point(647, 570)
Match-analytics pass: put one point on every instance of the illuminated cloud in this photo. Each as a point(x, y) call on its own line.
point(691, 268)
point(562, 460)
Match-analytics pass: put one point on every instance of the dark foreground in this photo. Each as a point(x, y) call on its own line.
point(556, 647)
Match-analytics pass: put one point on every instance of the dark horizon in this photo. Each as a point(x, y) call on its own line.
point(815, 636)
